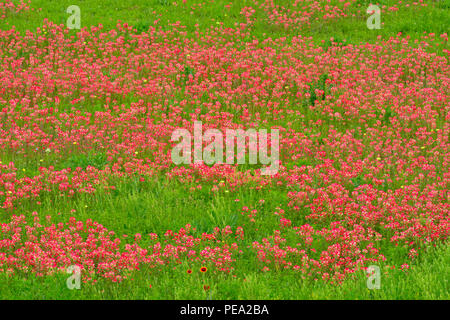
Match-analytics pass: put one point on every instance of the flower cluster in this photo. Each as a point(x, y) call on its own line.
point(364, 142)
point(47, 249)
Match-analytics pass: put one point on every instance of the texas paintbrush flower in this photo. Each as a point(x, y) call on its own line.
point(87, 122)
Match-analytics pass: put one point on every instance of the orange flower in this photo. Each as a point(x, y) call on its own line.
point(189, 271)
point(203, 269)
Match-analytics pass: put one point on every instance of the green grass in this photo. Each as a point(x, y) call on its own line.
point(412, 21)
point(158, 205)
point(428, 279)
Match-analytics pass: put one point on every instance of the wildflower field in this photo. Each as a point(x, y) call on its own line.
point(87, 179)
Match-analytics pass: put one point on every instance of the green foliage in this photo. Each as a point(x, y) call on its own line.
point(142, 26)
point(319, 85)
point(188, 71)
point(84, 160)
